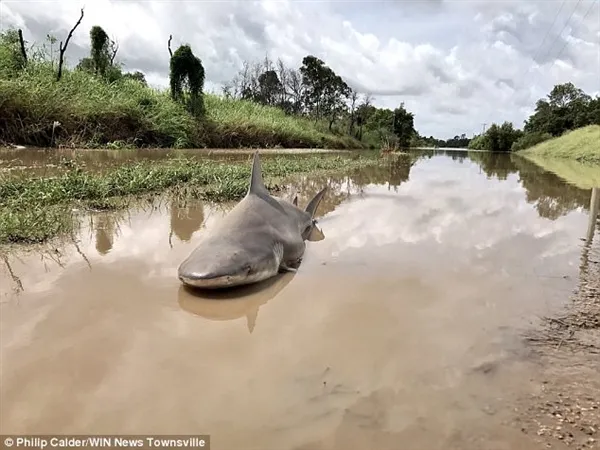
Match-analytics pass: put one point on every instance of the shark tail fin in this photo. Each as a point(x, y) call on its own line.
point(312, 206)
point(257, 186)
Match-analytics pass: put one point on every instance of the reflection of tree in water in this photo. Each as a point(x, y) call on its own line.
point(552, 196)
point(393, 172)
point(455, 155)
point(494, 164)
point(106, 225)
point(187, 217)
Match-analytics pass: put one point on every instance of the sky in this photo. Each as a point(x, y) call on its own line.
point(456, 65)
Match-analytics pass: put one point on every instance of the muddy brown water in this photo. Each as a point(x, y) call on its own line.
point(32, 161)
point(403, 327)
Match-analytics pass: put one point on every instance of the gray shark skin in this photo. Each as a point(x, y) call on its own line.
point(261, 236)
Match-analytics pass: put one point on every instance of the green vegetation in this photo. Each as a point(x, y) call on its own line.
point(36, 209)
point(575, 156)
point(316, 92)
point(582, 145)
point(496, 138)
point(567, 108)
point(584, 176)
point(98, 104)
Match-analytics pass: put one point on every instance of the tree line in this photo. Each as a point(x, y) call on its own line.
point(313, 91)
point(566, 108)
point(316, 92)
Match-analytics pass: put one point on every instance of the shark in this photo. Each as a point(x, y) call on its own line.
point(260, 237)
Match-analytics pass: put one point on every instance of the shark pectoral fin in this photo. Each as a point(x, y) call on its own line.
point(315, 235)
point(295, 201)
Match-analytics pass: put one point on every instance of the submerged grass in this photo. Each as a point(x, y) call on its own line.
point(582, 175)
point(574, 156)
point(36, 209)
point(582, 145)
point(92, 113)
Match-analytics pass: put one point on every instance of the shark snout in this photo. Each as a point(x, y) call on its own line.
point(212, 279)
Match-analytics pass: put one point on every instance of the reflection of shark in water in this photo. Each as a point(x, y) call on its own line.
point(243, 301)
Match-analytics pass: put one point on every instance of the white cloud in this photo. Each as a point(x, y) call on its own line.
point(454, 64)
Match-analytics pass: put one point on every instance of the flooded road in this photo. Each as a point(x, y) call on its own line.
point(33, 161)
point(403, 325)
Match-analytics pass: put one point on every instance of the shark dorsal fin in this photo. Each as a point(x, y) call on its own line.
point(257, 186)
point(312, 206)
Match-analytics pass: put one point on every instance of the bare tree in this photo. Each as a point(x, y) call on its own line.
point(169, 45)
point(362, 111)
point(114, 48)
point(63, 49)
point(23, 51)
point(353, 100)
point(267, 64)
point(282, 74)
point(295, 90)
point(228, 90)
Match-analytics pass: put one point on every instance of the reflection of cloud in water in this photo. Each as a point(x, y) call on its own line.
point(476, 219)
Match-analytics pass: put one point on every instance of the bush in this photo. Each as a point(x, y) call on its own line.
point(529, 140)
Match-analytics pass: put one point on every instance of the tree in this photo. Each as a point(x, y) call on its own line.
point(269, 88)
point(325, 92)
point(403, 125)
point(497, 138)
point(363, 112)
point(336, 94)
point(314, 74)
point(12, 60)
point(187, 72)
point(99, 51)
point(63, 48)
point(566, 107)
point(137, 76)
point(352, 107)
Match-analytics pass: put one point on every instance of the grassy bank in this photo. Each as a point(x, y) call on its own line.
point(93, 113)
point(582, 175)
point(575, 156)
point(36, 209)
point(582, 145)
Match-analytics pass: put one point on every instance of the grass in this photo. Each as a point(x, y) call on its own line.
point(582, 145)
point(574, 156)
point(37, 209)
point(93, 114)
point(582, 175)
